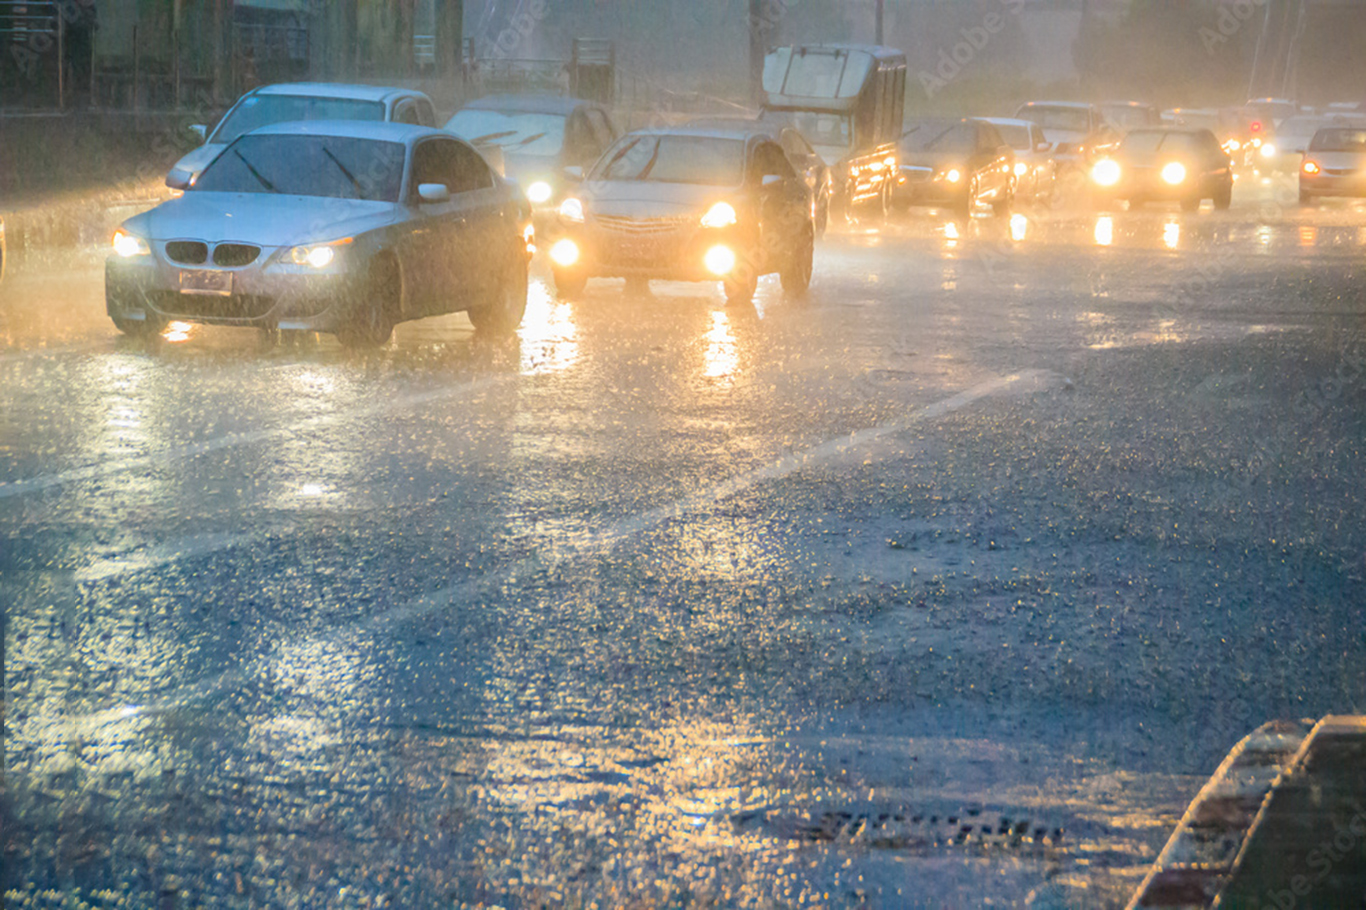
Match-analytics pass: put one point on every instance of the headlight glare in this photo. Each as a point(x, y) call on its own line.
point(1311, 168)
point(719, 260)
point(1174, 172)
point(127, 245)
point(571, 210)
point(564, 253)
point(539, 192)
point(318, 257)
point(1021, 169)
point(1268, 150)
point(718, 216)
point(1106, 172)
point(953, 175)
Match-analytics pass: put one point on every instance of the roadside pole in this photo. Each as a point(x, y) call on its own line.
point(756, 52)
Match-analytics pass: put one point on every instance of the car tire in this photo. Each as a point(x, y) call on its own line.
point(1190, 204)
point(569, 282)
point(796, 272)
point(740, 287)
point(372, 322)
point(1306, 199)
point(1223, 198)
point(1001, 207)
point(139, 328)
point(968, 201)
point(507, 304)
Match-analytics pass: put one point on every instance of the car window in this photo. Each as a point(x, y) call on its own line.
point(795, 145)
point(1339, 140)
point(768, 158)
point(602, 129)
point(520, 132)
point(425, 114)
point(295, 165)
point(989, 136)
point(579, 141)
point(262, 110)
point(454, 164)
point(406, 112)
point(1069, 119)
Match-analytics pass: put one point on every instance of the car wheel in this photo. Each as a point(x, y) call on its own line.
point(372, 323)
point(1305, 198)
point(503, 313)
point(139, 328)
point(968, 201)
point(569, 282)
point(796, 273)
point(741, 285)
point(1224, 197)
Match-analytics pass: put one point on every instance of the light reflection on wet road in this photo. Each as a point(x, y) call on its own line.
point(853, 598)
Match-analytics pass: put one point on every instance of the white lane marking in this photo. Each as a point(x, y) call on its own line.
point(23, 487)
point(159, 555)
point(463, 590)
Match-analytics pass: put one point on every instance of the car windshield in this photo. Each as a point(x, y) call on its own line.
point(525, 133)
point(1128, 117)
point(1339, 140)
point(263, 110)
point(1068, 119)
point(831, 131)
point(328, 166)
point(674, 159)
point(1015, 136)
point(1151, 142)
point(940, 137)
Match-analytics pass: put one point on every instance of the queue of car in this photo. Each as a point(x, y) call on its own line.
point(343, 209)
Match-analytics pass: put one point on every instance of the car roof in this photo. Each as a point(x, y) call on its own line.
point(1007, 121)
point(1125, 104)
point(533, 104)
point(336, 90)
point(351, 129)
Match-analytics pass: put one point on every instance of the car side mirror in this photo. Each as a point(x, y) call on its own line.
point(179, 179)
point(200, 130)
point(433, 193)
point(574, 172)
point(771, 179)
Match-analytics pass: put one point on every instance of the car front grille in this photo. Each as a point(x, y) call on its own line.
point(187, 252)
point(233, 255)
point(638, 227)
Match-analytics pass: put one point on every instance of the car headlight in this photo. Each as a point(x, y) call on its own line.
point(572, 210)
point(1233, 145)
point(719, 260)
point(1106, 172)
point(1021, 169)
point(1268, 150)
point(539, 192)
point(128, 245)
point(564, 253)
point(315, 255)
point(1174, 172)
point(953, 175)
point(1311, 168)
point(720, 215)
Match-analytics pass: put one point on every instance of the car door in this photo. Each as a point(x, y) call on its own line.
point(804, 159)
point(784, 203)
point(604, 133)
point(442, 241)
point(997, 159)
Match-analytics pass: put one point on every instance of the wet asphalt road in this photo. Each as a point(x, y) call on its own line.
point(946, 585)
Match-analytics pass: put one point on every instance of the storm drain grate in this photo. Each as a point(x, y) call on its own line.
point(904, 829)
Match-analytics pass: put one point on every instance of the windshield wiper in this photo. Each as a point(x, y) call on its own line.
point(255, 173)
point(607, 168)
point(360, 193)
point(649, 165)
point(492, 136)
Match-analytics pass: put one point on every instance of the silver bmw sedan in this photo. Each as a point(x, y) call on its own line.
point(342, 227)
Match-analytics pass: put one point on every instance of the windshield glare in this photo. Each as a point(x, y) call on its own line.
point(525, 133)
point(674, 159)
point(263, 110)
point(307, 166)
point(1017, 137)
point(941, 137)
point(1339, 140)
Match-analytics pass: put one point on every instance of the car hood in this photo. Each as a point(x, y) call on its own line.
point(650, 199)
point(261, 218)
point(1338, 160)
point(197, 160)
point(935, 160)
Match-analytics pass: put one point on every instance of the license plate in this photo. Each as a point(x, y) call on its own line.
point(206, 281)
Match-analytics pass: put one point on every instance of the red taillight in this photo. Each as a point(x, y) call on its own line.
point(1256, 126)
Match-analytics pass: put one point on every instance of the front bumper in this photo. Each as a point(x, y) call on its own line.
point(264, 296)
point(668, 249)
point(920, 186)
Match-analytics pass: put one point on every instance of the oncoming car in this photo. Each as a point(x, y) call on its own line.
point(542, 139)
point(293, 101)
point(1167, 164)
point(338, 227)
point(690, 205)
